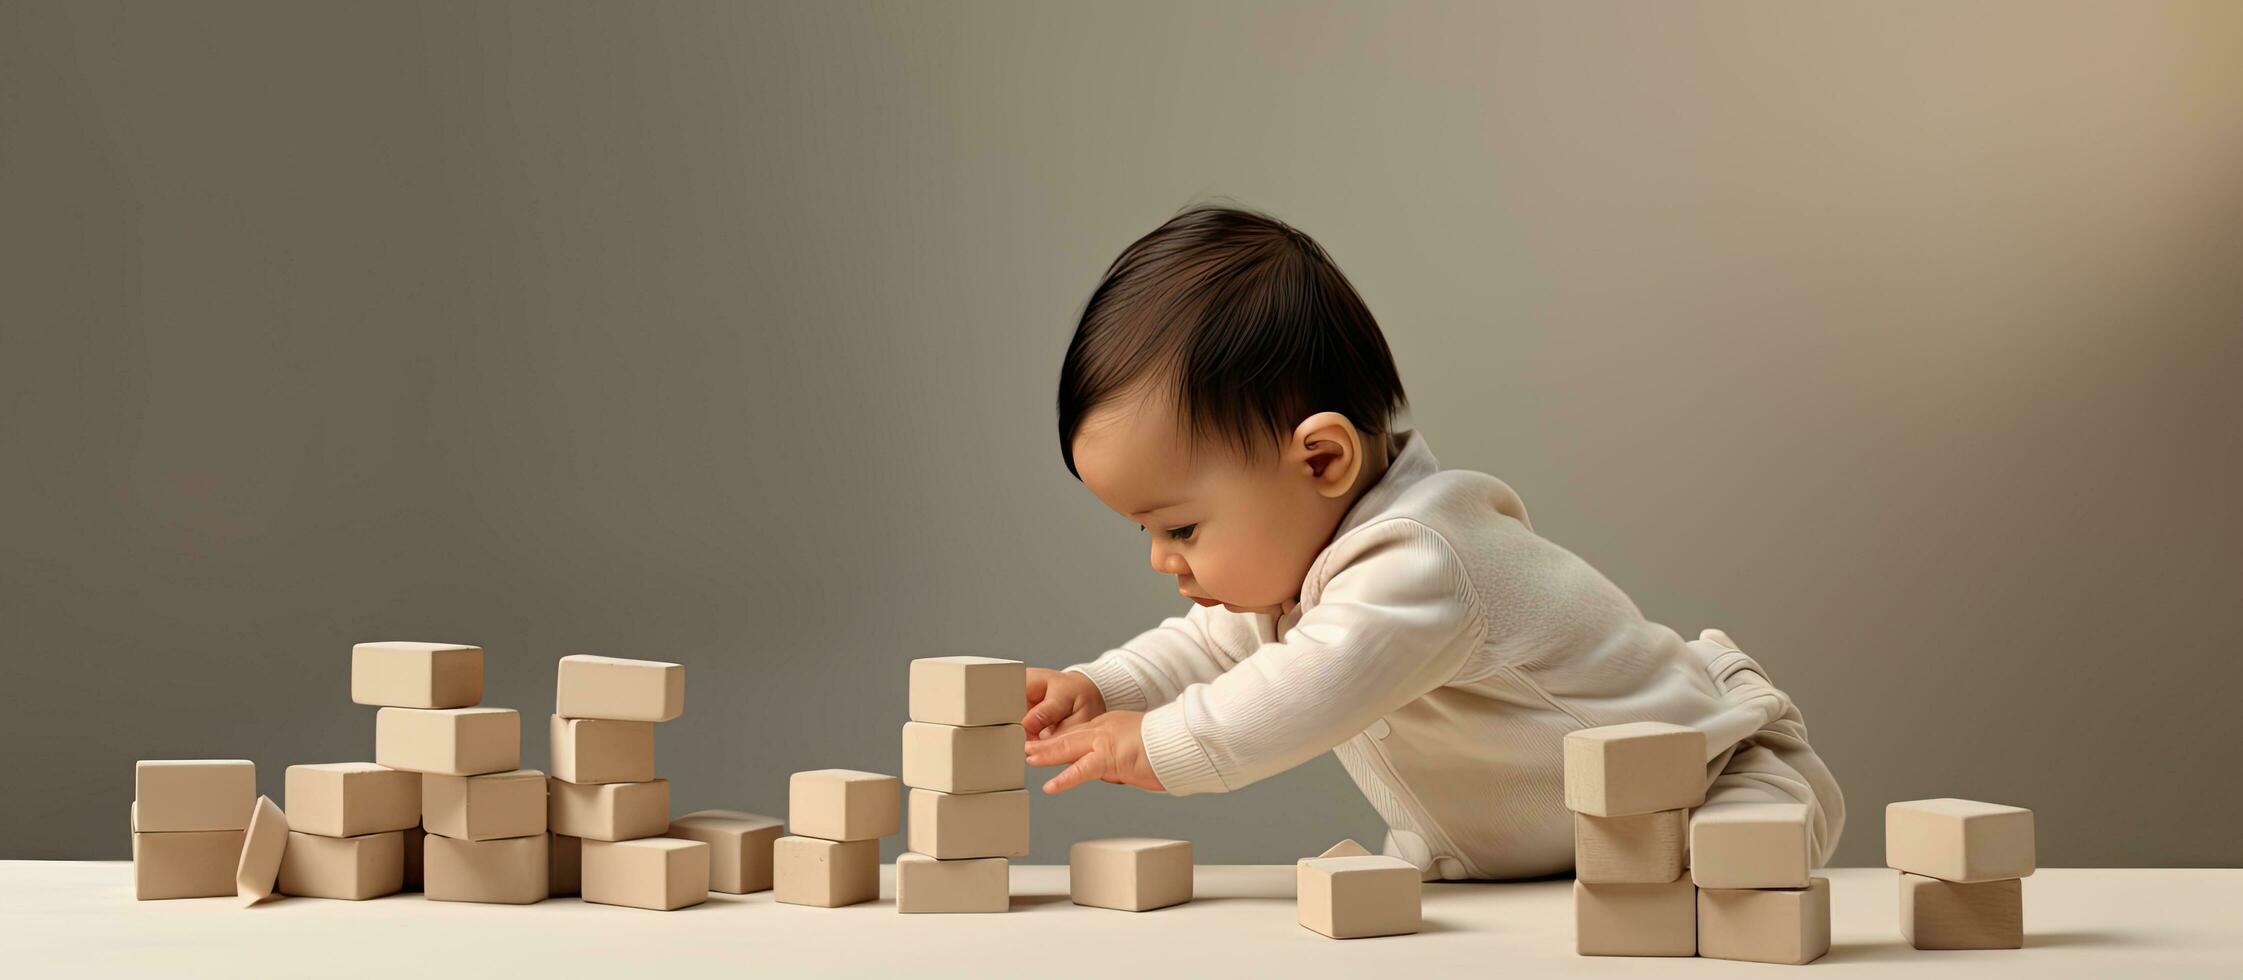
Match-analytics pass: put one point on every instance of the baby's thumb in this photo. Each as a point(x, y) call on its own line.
point(1046, 713)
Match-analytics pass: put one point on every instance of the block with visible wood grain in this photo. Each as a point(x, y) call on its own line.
point(1959, 840)
point(1643, 848)
point(1638, 767)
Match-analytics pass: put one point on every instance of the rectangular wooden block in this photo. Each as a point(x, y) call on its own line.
point(351, 799)
point(950, 826)
point(1358, 897)
point(951, 759)
point(1646, 848)
point(416, 845)
point(185, 863)
point(507, 871)
point(608, 811)
point(739, 847)
point(926, 884)
point(824, 873)
point(453, 741)
point(619, 690)
point(1750, 845)
point(1133, 874)
point(416, 675)
point(1771, 925)
point(484, 807)
point(1959, 840)
point(1654, 919)
point(351, 868)
point(1639, 767)
point(1937, 914)
point(564, 864)
point(597, 750)
point(843, 804)
point(658, 873)
point(173, 795)
point(968, 691)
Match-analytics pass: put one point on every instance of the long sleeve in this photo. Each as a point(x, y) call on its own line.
point(1153, 668)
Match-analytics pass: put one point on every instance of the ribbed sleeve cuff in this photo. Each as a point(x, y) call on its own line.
point(1116, 685)
point(1178, 760)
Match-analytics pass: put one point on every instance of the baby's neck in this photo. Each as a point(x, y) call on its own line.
point(1377, 457)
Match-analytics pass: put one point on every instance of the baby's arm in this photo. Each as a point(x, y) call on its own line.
point(1153, 668)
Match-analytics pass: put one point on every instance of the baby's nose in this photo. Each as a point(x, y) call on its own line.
point(1169, 563)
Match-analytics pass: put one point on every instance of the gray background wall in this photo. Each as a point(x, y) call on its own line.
point(1901, 340)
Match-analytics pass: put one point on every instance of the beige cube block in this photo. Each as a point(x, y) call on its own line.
point(194, 794)
point(185, 863)
point(926, 884)
point(564, 864)
point(609, 811)
point(1133, 874)
point(352, 868)
point(824, 873)
point(1937, 914)
point(416, 675)
point(416, 846)
point(619, 690)
point(484, 807)
point(951, 759)
point(1750, 845)
point(950, 826)
point(968, 691)
point(507, 871)
point(658, 873)
point(843, 804)
point(1640, 767)
point(351, 799)
point(1359, 896)
point(739, 847)
point(1644, 848)
point(261, 850)
point(1959, 840)
point(454, 741)
point(1765, 925)
point(597, 750)
point(1649, 919)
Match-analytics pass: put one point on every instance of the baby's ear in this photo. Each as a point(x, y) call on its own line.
point(1327, 450)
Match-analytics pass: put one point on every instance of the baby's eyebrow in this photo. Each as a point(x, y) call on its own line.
point(1156, 509)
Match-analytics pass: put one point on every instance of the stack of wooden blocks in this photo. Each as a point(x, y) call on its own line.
point(1631, 788)
point(189, 818)
point(347, 824)
point(608, 811)
point(963, 760)
point(835, 819)
point(1962, 865)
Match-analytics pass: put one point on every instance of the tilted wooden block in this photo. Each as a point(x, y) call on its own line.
point(1645, 848)
point(739, 847)
point(485, 807)
point(1937, 914)
point(1639, 767)
point(608, 811)
point(1959, 840)
point(824, 873)
point(1347, 847)
point(350, 868)
point(564, 864)
point(1750, 845)
point(507, 871)
point(969, 691)
point(184, 863)
point(951, 826)
point(1765, 925)
point(1635, 919)
point(927, 884)
point(619, 690)
point(1359, 897)
point(1133, 874)
point(454, 741)
point(597, 750)
point(843, 804)
point(193, 794)
point(416, 675)
point(261, 850)
point(351, 799)
point(951, 759)
point(658, 873)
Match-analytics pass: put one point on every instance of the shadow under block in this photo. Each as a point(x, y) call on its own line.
point(485, 807)
point(1750, 845)
point(416, 675)
point(619, 690)
point(968, 691)
point(657, 873)
point(453, 741)
point(824, 873)
point(351, 799)
point(564, 865)
point(184, 863)
point(1634, 919)
point(1640, 767)
point(261, 851)
point(1959, 840)
point(353, 868)
point(952, 759)
point(1359, 897)
point(1133, 874)
point(172, 795)
point(415, 846)
point(596, 750)
point(951, 826)
point(843, 804)
point(507, 871)
point(1937, 914)
point(609, 811)
point(1646, 848)
point(1765, 925)
point(739, 847)
point(927, 884)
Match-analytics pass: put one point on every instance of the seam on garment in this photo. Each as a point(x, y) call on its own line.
point(1554, 703)
point(1184, 714)
point(1476, 616)
point(1400, 790)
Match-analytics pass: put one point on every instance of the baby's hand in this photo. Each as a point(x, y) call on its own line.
point(1110, 747)
point(1059, 701)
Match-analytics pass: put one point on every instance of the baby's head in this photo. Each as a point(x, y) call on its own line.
point(1228, 392)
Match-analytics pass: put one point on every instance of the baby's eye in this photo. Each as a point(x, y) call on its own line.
point(1182, 533)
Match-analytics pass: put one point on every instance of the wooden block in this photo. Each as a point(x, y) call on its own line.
point(1358, 897)
point(416, 675)
point(596, 750)
point(1959, 840)
point(1646, 848)
point(1133, 874)
point(564, 864)
point(261, 850)
point(951, 826)
point(1347, 847)
point(416, 845)
point(739, 847)
point(619, 690)
point(1937, 914)
point(926, 884)
point(1765, 925)
point(453, 741)
point(352, 868)
point(193, 794)
point(824, 873)
point(608, 811)
point(507, 871)
point(969, 691)
point(1640, 767)
point(658, 873)
point(1636, 919)
point(185, 863)
point(351, 799)
point(950, 759)
point(485, 807)
point(843, 804)
point(1750, 845)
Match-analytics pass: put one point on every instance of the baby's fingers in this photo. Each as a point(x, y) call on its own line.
point(1047, 714)
point(1059, 751)
point(1087, 769)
